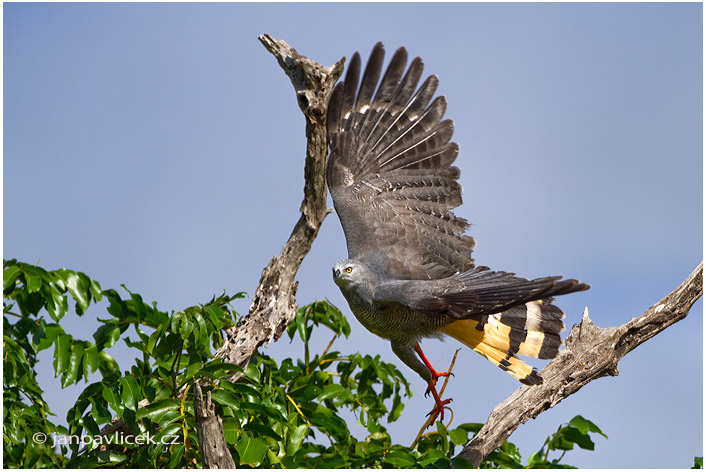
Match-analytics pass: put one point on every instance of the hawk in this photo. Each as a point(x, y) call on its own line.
point(409, 273)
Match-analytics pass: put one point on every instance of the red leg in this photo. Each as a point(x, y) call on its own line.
point(431, 388)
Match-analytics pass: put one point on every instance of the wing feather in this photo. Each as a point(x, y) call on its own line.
point(389, 170)
point(481, 292)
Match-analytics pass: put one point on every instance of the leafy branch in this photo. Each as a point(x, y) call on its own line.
point(271, 417)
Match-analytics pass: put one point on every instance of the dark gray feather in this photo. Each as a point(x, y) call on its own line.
point(390, 174)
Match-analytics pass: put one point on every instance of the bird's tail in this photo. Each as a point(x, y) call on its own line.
point(531, 330)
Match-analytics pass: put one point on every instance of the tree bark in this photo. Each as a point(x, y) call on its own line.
point(590, 353)
point(212, 444)
point(274, 303)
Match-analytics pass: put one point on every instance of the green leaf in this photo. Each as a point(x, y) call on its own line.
point(580, 423)
point(73, 373)
point(231, 430)
point(251, 450)
point(112, 399)
point(107, 364)
point(202, 334)
point(295, 440)
point(214, 312)
point(252, 372)
point(175, 455)
point(79, 286)
point(430, 456)
point(193, 369)
point(96, 290)
point(300, 322)
point(225, 398)
point(55, 302)
point(185, 328)
point(162, 412)
point(46, 335)
point(400, 459)
point(90, 425)
point(131, 392)
point(107, 335)
point(581, 440)
point(9, 275)
point(240, 387)
point(91, 360)
point(595, 429)
point(458, 436)
point(331, 390)
point(34, 277)
point(444, 441)
point(62, 353)
point(262, 429)
point(698, 462)
point(97, 457)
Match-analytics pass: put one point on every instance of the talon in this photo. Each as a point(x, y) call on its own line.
point(438, 411)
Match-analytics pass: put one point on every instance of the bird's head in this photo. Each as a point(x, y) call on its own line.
point(345, 272)
point(355, 277)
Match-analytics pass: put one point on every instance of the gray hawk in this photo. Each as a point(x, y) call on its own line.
point(409, 273)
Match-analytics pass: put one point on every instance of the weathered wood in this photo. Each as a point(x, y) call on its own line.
point(274, 303)
point(212, 444)
point(590, 353)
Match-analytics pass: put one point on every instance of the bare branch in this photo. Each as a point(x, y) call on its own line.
point(213, 447)
point(590, 353)
point(274, 304)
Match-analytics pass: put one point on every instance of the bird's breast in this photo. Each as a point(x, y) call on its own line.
point(393, 320)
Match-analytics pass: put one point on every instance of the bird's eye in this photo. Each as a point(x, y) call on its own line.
point(349, 269)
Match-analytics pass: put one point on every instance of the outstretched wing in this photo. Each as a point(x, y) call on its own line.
point(390, 173)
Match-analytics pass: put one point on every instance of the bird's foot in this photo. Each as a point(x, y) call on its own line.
point(440, 405)
point(438, 410)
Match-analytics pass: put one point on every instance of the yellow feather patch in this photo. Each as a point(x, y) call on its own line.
point(489, 344)
point(498, 335)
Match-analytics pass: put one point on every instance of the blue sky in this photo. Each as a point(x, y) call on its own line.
point(160, 146)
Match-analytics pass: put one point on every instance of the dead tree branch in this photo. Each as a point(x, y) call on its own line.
point(590, 353)
point(274, 304)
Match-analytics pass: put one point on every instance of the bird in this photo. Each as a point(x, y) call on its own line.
point(410, 274)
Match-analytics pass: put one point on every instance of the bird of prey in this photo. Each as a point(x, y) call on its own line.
point(409, 273)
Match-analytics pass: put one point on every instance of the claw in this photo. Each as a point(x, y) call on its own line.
point(438, 410)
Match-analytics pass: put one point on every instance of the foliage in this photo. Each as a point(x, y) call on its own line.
point(284, 414)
